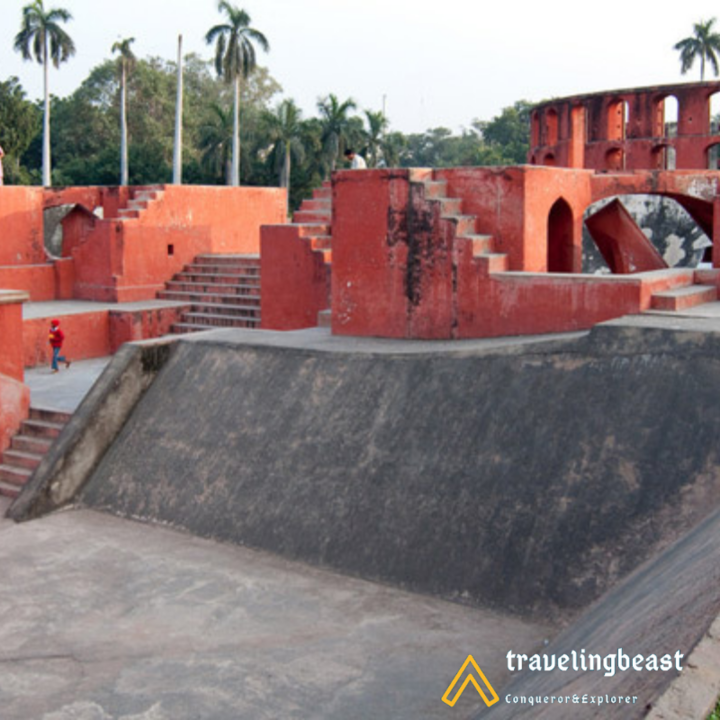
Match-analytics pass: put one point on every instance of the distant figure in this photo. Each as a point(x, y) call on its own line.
point(357, 162)
point(56, 338)
point(2, 155)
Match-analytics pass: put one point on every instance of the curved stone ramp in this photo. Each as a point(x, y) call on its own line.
point(526, 477)
point(664, 607)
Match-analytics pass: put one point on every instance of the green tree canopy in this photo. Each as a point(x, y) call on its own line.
point(20, 122)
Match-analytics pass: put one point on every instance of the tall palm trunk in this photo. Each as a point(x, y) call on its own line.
point(285, 174)
point(123, 127)
point(177, 150)
point(46, 176)
point(236, 134)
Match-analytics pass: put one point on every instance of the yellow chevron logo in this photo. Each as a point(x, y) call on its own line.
point(470, 679)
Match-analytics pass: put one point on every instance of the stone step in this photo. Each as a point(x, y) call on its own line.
point(24, 443)
point(226, 269)
point(50, 415)
point(435, 188)
point(312, 229)
point(322, 194)
point(241, 311)
point(220, 278)
point(14, 475)
point(206, 288)
point(449, 206)
point(481, 244)
point(146, 195)
point(188, 327)
point(245, 295)
point(128, 214)
point(464, 224)
point(215, 320)
point(683, 298)
point(229, 259)
point(311, 216)
point(19, 459)
point(321, 242)
point(8, 490)
point(492, 262)
point(323, 205)
point(41, 428)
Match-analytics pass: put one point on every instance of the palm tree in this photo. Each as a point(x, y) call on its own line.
point(374, 135)
point(704, 43)
point(216, 138)
point(127, 62)
point(235, 59)
point(41, 38)
point(335, 123)
point(285, 130)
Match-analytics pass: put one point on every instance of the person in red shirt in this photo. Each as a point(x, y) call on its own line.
point(56, 339)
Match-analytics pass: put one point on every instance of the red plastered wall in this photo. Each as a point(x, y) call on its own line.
point(87, 335)
point(295, 280)
point(21, 226)
point(14, 408)
point(11, 333)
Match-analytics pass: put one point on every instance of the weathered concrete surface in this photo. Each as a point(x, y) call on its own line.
point(93, 427)
point(528, 478)
point(664, 607)
point(695, 693)
point(107, 619)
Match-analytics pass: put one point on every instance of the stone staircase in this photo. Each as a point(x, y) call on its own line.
point(222, 290)
point(28, 447)
point(465, 228)
point(684, 297)
point(140, 200)
point(315, 217)
point(316, 210)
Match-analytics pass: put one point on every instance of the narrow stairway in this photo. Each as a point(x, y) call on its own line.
point(28, 447)
point(223, 291)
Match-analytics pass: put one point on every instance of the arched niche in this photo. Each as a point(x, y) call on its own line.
point(560, 238)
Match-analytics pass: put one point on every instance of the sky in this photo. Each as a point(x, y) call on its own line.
point(429, 64)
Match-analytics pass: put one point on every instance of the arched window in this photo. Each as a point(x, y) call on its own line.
point(551, 127)
point(615, 159)
point(712, 153)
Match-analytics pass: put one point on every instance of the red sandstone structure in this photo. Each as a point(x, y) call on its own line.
point(120, 248)
point(403, 253)
point(480, 252)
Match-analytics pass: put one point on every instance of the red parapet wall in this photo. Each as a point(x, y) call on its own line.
point(97, 333)
point(38, 281)
point(11, 324)
point(295, 279)
point(21, 226)
point(14, 408)
point(87, 335)
point(132, 325)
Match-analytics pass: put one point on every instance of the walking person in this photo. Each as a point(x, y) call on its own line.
point(56, 338)
point(2, 155)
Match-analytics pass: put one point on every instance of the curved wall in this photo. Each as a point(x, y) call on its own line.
point(627, 130)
